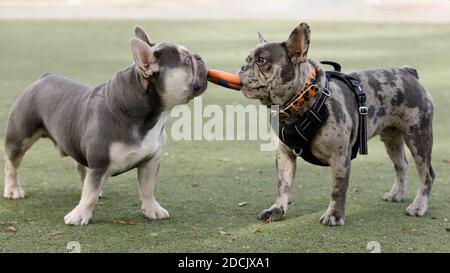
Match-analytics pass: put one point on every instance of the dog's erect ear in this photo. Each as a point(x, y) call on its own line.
point(139, 32)
point(298, 43)
point(261, 38)
point(144, 57)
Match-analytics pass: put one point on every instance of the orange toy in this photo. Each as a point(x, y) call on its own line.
point(224, 79)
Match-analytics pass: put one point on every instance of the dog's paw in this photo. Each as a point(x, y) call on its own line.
point(14, 193)
point(79, 216)
point(154, 211)
point(331, 219)
point(417, 208)
point(272, 214)
point(396, 196)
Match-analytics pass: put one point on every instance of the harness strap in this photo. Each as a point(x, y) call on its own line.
point(360, 96)
point(299, 134)
point(335, 65)
point(326, 92)
point(363, 112)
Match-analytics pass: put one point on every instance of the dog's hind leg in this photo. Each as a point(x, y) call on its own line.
point(394, 144)
point(22, 131)
point(15, 149)
point(12, 189)
point(419, 140)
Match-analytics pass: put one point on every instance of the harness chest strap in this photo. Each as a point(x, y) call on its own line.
point(299, 134)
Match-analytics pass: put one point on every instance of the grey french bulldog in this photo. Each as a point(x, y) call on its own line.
point(400, 111)
point(108, 129)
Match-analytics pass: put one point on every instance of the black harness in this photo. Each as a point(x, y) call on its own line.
point(299, 134)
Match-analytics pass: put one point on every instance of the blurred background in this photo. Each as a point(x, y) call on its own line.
point(201, 183)
point(323, 10)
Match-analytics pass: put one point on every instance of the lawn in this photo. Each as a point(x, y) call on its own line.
point(201, 183)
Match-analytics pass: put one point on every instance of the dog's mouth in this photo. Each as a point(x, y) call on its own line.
point(252, 91)
point(200, 88)
point(200, 85)
point(197, 89)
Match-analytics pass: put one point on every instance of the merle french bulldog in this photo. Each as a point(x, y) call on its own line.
point(108, 129)
point(400, 111)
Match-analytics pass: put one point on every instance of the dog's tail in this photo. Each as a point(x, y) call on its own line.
point(411, 70)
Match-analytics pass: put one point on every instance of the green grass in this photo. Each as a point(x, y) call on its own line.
point(201, 183)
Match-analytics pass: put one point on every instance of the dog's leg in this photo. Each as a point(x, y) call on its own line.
point(286, 164)
point(82, 213)
point(13, 189)
point(15, 149)
point(420, 144)
point(394, 144)
point(147, 173)
point(335, 214)
point(82, 172)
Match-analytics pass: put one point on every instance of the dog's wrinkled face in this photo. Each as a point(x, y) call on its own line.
point(176, 73)
point(272, 71)
point(181, 76)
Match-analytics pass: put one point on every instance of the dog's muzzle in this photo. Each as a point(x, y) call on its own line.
point(200, 84)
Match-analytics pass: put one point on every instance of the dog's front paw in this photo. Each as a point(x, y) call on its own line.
point(417, 208)
point(14, 192)
point(331, 218)
point(272, 214)
point(78, 216)
point(394, 196)
point(153, 211)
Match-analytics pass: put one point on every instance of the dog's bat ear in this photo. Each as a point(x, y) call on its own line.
point(139, 33)
point(144, 57)
point(298, 43)
point(261, 38)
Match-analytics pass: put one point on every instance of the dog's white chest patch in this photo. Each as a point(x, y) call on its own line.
point(123, 156)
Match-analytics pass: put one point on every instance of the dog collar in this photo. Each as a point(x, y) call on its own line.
point(308, 91)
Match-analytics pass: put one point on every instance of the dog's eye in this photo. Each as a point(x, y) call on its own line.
point(261, 60)
point(188, 60)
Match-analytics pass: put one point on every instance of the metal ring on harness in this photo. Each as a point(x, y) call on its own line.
point(326, 92)
point(299, 153)
point(363, 110)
